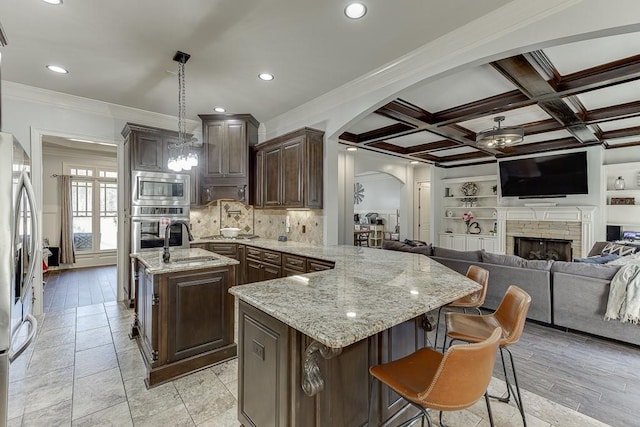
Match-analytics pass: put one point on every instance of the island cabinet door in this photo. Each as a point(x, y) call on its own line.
point(263, 383)
point(395, 343)
point(199, 312)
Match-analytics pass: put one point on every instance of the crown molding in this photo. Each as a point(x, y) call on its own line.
point(21, 92)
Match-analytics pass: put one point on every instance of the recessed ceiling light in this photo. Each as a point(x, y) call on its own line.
point(57, 69)
point(53, 1)
point(265, 76)
point(355, 10)
point(352, 148)
point(414, 162)
point(351, 314)
point(219, 110)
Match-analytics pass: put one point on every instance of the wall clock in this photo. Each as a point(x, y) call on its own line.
point(358, 193)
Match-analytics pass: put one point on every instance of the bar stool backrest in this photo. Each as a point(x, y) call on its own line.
point(512, 313)
point(463, 375)
point(481, 276)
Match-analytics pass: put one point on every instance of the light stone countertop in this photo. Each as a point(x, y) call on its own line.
point(181, 260)
point(369, 291)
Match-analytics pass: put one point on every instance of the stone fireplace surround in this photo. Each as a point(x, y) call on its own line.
point(574, 223)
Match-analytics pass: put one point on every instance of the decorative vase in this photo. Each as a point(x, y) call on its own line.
point(619, 184)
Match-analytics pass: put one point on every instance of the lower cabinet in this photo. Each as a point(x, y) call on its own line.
point(453, 241)
point(489, 244)
point(462, 242)
point(258, 264)
point(272, 356)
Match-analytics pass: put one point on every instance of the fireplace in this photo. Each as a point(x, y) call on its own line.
point(544, 249)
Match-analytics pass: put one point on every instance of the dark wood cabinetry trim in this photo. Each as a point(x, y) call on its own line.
point(289, 171)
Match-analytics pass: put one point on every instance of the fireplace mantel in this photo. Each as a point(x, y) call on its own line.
point(582, 214)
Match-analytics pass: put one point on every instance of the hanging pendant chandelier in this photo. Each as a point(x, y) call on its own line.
point(182, 155)
point(499, 137)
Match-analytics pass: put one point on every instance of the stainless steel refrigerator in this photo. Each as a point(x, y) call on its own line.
point(19, 240)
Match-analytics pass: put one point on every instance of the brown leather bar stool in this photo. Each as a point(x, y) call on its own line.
point(452, 381)
point(475, 300)
point(510, 317)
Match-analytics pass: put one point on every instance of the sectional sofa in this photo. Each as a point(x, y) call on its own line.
point(567, 295)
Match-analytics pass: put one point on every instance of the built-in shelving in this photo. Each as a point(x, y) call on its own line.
point(622, 214)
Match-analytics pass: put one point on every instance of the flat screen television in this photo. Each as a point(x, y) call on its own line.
point(546, 176)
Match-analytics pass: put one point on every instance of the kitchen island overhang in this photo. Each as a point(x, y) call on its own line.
point(311, 338)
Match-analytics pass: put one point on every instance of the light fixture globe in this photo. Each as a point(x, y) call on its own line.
point(499, 137)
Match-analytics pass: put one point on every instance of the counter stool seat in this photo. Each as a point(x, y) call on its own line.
point(510, 317)
point(451, 381)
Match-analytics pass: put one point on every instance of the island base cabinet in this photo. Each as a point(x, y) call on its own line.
point(184, 321)
point(271, 371)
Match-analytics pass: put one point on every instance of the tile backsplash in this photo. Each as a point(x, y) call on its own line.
point(306, 225)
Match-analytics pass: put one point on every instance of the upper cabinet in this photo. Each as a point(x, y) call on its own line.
point(149, 146)
point(224, 167)
point(289, 171)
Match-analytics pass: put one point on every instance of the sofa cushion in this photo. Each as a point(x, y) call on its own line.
point(424, 250)
point(473, 256)
point(515, 261)
point(394, 245)
point(615, 248)
point(597, 271)
point(598, 259)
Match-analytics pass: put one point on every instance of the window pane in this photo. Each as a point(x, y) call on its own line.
point(108, 233)
point(81, 201)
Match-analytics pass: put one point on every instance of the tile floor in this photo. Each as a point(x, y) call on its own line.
point(82, 370)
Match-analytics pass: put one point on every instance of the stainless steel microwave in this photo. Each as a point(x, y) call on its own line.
point(159, 189)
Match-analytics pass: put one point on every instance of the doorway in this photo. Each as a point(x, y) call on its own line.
point(43, 181)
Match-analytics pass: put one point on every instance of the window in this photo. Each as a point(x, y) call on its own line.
point(95, 209)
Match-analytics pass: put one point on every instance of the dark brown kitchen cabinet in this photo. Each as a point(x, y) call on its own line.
point(184, 320)
point(149, 146)
point(289, 171)
point(262, 265)
point(292, 265)
point(224, 169)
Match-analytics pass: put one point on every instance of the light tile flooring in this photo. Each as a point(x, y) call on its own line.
point(82, 370)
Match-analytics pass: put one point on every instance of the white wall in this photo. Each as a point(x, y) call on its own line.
point(381, 195)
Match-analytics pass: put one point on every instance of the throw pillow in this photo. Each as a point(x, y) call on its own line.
point(621, 250)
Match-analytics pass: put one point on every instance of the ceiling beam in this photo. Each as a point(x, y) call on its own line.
point(432, 146)
point(612, 73)
point(524, 75)
point(540, 147)
point(621, 133)
point(622, 111)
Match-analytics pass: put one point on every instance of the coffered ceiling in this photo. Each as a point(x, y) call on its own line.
point(570, 96)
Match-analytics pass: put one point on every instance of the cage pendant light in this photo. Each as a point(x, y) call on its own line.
point(499, 137)
point(181, 155)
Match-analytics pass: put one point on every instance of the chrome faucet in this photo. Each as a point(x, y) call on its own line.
point(166, 257)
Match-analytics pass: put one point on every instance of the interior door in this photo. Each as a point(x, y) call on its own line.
point(423, 217)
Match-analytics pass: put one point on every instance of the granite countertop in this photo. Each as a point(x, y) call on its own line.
point(369, 291)
point(181, 260)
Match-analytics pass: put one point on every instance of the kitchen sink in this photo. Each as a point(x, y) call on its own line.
point(193, 259)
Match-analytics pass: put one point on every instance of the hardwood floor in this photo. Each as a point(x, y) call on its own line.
point(79, 287)
point(596, 377)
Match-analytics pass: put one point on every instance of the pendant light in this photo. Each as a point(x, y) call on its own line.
point(181, 155)
point(499, 137)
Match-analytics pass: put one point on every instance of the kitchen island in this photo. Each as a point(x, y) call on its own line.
point(306, 342)
point(184, 318)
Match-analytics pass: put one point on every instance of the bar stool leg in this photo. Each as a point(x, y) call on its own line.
point(516, 395)
point(435, 341)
